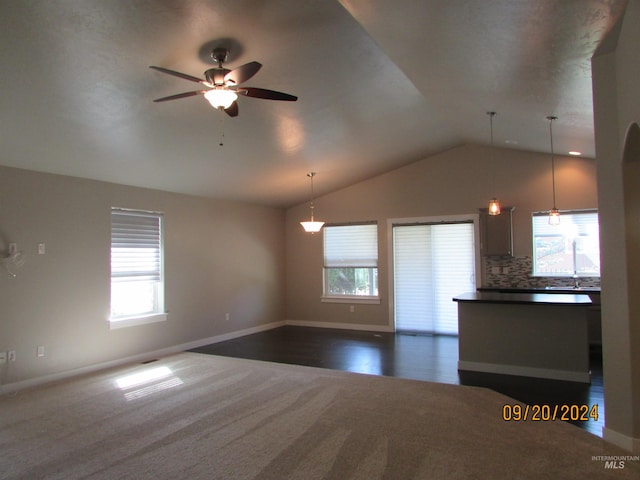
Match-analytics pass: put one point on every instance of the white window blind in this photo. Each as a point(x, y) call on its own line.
point(351, 262)
point(412, 261)
point(135, 246)
point(351, 246)
point(432, 264)
point(136, 263)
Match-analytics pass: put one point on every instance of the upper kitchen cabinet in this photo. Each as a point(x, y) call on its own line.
point(496, 236)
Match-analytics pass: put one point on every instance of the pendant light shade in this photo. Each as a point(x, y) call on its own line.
point(554, 214)
point(311, 226)
point(494, 205)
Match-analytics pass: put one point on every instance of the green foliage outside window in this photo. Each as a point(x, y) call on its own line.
point(352, 281)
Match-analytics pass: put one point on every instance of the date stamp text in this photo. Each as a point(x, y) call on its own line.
point(549, 413)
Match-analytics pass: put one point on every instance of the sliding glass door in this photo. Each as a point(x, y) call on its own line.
point(432, 264)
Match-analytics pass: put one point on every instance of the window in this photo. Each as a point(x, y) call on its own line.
point(571, 248)
point(351, 261)
point(137, 283)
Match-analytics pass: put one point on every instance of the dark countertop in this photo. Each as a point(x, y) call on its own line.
point(551, 290)
point(524, 298)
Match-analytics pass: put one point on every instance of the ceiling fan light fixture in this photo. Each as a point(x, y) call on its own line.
point(221, 97)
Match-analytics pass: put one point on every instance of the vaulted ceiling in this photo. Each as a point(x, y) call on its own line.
point(380, 84)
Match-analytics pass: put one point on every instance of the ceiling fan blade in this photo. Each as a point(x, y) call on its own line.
point(180, 95)
point(178, 74)
point(266, 94)
point(242, 73)
point(232, 110)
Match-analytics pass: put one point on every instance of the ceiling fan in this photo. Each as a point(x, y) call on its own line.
point(222, 85)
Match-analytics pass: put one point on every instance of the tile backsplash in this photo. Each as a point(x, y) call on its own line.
point(515, 272)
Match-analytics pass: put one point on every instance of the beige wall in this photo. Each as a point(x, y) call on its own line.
point(219, 257)
point(457, 181)
point(616, 80)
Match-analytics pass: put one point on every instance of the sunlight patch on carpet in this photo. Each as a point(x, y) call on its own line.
point(147, 382)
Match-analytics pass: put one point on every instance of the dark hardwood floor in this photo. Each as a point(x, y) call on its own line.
point(417, 357)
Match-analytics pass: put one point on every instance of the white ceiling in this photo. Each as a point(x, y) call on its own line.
point(380, 84)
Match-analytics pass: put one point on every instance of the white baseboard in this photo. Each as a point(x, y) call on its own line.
point(341, 326)
point(522, 371)
point(230, 336)
point(141, 357)
point(623, 441)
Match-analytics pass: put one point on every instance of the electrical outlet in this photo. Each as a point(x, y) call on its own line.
point(3, 357)
point(40, 351)
point(352, 308)
point(227, 316)
point(41, 249)
point(12, 355)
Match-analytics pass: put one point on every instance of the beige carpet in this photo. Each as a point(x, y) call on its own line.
point(195, 416)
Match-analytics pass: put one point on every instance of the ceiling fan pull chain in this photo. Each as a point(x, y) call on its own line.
point(221, 130)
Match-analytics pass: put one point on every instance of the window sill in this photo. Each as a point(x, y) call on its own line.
point(351, 299)
point(135, 321)
point(561, 275)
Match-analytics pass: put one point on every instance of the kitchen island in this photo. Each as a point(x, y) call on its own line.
point(542, 335)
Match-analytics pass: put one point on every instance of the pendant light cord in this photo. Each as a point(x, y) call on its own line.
point(311, 175)
point(494, 206)
point(553, 165)
point(493, 166)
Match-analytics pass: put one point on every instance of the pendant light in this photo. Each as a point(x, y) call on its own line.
point(494, 205)
point(312, 226)
point(554, 214)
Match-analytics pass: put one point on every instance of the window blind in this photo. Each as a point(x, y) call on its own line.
point(412, 279)
point(572, 224)
point(351, 246)
point(432, 264)
point(136, 246)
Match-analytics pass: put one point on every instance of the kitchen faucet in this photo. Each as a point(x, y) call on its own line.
point(576, 279)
